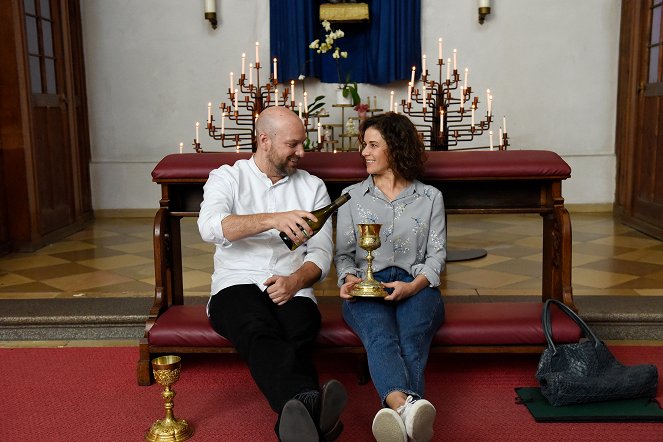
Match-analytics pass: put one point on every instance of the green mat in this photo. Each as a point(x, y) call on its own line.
point(631, 410)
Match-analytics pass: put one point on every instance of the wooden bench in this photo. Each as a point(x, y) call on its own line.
point(479, 182)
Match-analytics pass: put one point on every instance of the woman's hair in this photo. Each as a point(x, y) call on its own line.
point(406, 150)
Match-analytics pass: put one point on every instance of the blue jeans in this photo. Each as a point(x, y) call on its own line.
point(396, 335)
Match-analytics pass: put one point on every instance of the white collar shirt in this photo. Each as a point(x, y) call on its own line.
point(243, 189)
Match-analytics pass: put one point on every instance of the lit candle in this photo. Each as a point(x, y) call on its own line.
point(467, 70)
point(319, 134)
point(448, 69)
point(209, 112)
point(181, 147)
point(223, 122)
point(488, 100)
point(490, 105)
point(236, 95)
point(412, 76)
point(276, 80)
point(491, 139)
point(300, 110)
point(423, 65)
point(257, 53)
point(243, 63)
point(462, 97)
point(292, 88)
point(473, 117)
point(439, 48)
point(500, 140)
point(391, 100)
point(197, 126)
point(306, 103)
point(455, 52)
point(232, 83)
point(409, 91)
point(441, 120)
point(504, 123)
point(250, 74)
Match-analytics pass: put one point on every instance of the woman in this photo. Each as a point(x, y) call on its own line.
point(395, 330)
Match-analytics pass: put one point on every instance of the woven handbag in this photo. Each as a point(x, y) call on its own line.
point(587, 371)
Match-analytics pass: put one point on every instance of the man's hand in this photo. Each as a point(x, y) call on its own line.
point(346, 289)
point(294, 224)
point(282, 288)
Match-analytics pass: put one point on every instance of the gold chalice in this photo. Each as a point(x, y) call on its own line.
point(167, 372)
point(369, 240)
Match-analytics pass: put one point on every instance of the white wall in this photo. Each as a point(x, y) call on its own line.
point(152, 66)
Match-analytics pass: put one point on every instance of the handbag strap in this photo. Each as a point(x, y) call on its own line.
point(547, 323)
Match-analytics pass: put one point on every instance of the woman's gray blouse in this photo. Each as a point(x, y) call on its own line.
point(413, 232)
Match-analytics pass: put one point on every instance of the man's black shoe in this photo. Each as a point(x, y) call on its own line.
point(296, 423)
point(331, 402)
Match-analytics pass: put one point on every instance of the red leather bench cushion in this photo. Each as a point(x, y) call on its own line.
point(349, 166)
point(500, 323)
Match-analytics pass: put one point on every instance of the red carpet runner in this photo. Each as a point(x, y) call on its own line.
point(85, 394)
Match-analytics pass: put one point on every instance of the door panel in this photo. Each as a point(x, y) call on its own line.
point(639, 198)
point(52, 144)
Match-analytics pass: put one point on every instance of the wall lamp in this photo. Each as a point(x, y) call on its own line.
point(484, 10)
point(210, 12)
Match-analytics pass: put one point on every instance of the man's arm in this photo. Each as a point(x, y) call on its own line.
point(242, 226)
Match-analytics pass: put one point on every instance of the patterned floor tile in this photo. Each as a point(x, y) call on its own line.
point(114, 257)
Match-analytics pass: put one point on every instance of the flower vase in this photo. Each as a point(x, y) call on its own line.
point(340, 99)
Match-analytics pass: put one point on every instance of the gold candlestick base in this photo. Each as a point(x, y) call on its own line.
point(167, 372)
point(369, 240)
point(369, 289)
point(164, 430)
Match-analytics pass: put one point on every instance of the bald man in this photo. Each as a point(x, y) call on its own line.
point(262, 297)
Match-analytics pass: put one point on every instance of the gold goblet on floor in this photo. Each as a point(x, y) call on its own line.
point(369, 240)
point(167, 372)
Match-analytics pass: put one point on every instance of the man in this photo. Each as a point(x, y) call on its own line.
point(262, 299)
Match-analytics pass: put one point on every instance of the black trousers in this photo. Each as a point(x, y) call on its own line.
point(275, 341)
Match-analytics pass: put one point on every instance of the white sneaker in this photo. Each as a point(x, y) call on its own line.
point(388, 426)
point(418, 416)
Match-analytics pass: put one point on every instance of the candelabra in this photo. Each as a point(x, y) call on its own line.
point(445, 111)
point(247, 99)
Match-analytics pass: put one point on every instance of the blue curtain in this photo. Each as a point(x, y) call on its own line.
point(293, 24)
point(380, 51)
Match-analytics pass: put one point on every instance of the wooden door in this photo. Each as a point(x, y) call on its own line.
point(50, 130)
point(44, 142)
point(639, 199)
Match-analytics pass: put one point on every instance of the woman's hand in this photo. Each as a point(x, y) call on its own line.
point(401, 291)
point(346, 289)
point(404, 290)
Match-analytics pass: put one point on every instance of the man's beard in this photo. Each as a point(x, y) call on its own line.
point(283, 167)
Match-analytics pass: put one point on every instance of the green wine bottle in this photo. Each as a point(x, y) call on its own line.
point(322, 214)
